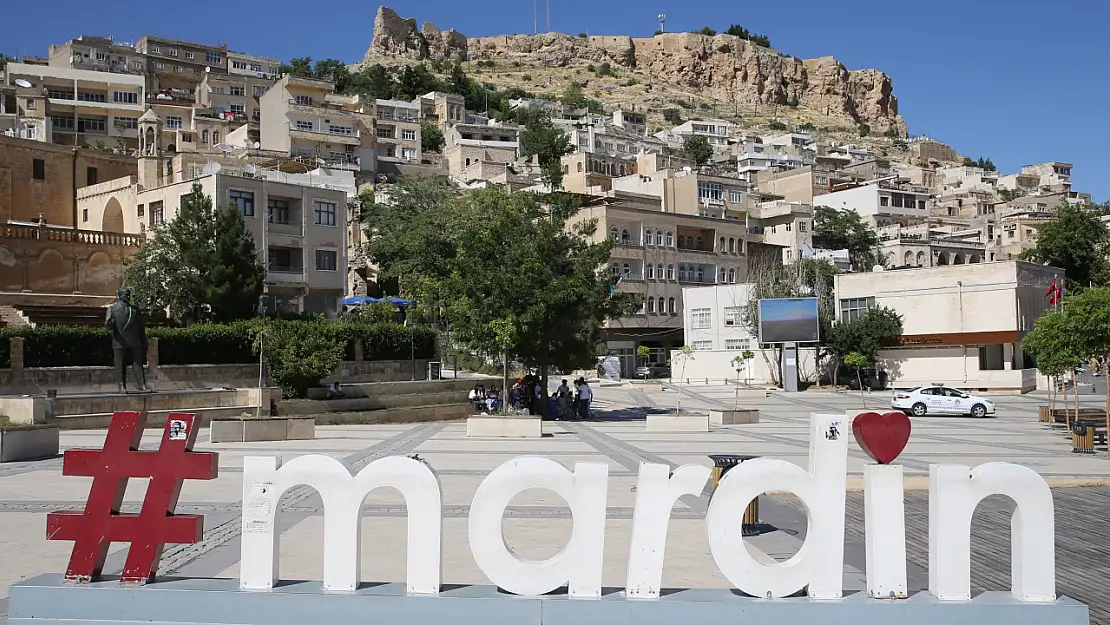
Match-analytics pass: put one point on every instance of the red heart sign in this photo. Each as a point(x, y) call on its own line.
point(882, 437)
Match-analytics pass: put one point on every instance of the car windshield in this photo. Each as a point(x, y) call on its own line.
point(913, 389)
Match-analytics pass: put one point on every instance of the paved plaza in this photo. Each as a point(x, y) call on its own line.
point(538, 523)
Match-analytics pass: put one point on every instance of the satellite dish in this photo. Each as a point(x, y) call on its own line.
point(257, 145)
point(207, 69)
point(805, 251)
point(23, 83)
point(250, 169)
point(225, 148)
point(162, 96)
point(211, 168)
point(878, 269)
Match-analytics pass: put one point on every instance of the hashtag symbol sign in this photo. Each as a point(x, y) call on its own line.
point(100, 524)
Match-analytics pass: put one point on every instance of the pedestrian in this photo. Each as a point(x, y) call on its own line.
point(585, 397)
point(563, 389)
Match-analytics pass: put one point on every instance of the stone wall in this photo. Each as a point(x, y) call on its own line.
point(19, 379)
point(50, 259)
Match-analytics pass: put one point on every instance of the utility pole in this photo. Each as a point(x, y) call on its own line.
point(535, 17)
point(548, 15)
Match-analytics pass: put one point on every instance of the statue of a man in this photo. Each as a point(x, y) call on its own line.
point(125, 322)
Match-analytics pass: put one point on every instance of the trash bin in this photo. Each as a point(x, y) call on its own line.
point(1044, 414)
point(1083, 437)
point(721, 464)
point(435, 370)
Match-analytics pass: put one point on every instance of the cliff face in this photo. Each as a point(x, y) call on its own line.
point(726, 68)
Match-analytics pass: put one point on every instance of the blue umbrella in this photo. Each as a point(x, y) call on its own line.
point(356, 300)
point(399, 302)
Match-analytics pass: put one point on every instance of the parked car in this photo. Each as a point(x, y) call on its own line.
point(654, 370)
point(941, 400)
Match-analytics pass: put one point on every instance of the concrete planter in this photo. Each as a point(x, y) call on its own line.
point(733, 417)
point(28, 442)
point(671, 422)
point(504, 427)
point(267, 429)
point(751, 393)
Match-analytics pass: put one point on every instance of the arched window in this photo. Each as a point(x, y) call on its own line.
point(204, 136)
point(616, 270)
point(468, 162)
point(650, 269)
point(890, 259)
point(670, 272)
point(566, 169)
point(681, 240)
point(909, 259)
point(647, 237)
point(215, 137)
point(701, 274)
point(670, 239)
point(681, 273)
point(614, 234)
point(624, 237)
point(721, 245)
point(659, 271)
point(627, 270)
point(623, 170)
point(579, 166)
point(732, 276)
point(671, 305)
point(722, 280)
point(731, 245)
point(651, 303)
point(921, 259)
point(662, 308)
point(659, 237)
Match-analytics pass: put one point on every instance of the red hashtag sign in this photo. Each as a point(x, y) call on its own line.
point(101, 523)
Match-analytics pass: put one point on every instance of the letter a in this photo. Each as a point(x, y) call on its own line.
point(820, 562)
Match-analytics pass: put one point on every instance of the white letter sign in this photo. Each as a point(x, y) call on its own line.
point(579, 563)
point(820, 562)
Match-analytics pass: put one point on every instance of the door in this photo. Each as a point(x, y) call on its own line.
point(956, 402)
point(934, 399)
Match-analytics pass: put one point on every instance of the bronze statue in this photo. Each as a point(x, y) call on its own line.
point(125, 322)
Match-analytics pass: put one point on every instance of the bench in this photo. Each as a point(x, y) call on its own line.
point(1061, 417)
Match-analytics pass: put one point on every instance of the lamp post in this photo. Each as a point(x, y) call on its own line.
point(261, 362)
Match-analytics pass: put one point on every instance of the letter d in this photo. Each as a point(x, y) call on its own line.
point(820, 562)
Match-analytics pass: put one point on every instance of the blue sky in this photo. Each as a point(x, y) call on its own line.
point(1016, 81)
point(788, 309)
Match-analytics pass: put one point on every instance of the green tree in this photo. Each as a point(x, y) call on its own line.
point(236, 277)
point(981, 163)
point(416, 80)
point(431, 138)
point(548, 143)
point(1056, 344)
point(864, 130)
point(1009, 195)
point(761, 40)
point(333, 70)
point(375, 81)
point(300, 66)
point(875, 329)
point(705, 30)
point(672, 116)
point(776, 125)
point(737, 30)
point(1089, 320)
point(742, 364)
point(684, 356)
point(1077, 241)
point(605, 69)
point(574, 96)
point(517, 263)
point(5, 59)
point(643, 352)
point(697, 149)
point(298, 355)
point(844, 229)
point(202, 265)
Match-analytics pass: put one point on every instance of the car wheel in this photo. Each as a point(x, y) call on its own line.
point(918, 409)
point(978, 411)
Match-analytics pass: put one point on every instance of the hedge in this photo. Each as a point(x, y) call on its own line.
point(79, 346)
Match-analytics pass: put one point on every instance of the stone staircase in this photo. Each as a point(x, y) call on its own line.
point(12, 318)
point(386, 402)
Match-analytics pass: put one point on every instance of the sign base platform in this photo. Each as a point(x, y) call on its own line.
point(47, 598)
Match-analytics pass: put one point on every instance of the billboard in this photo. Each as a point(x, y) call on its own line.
point(788, 320)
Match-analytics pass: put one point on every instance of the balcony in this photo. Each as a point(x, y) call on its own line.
point(55, 234)
point(317, 136)
point(320, 108)
point(291, 229)
point(285, 275)
point(779, 208)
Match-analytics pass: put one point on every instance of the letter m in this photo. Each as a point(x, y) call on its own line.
point(343, 494)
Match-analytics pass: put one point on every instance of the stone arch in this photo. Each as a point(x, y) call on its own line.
point(974, 259)
point(148, 143)
point(111, 220)
point(942, 259)
point(957, 259)
point(51, 273)
point(101, 275)
point(909, 259)
point(579, 166)
point(11, 271)
point(921, 259)
point(890, 260)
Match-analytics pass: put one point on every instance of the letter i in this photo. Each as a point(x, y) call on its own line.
point(885, 527)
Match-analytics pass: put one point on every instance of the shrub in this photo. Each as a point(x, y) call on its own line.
point(65, 346)
point(777, 125)
point(209, 344)
point(864, 130)
point(582, 35)
point(605, 69)
point(300, 355)
point(672, 116)
point(5, 352)
point(591, 68)
point(685, 104)
point(526, 77)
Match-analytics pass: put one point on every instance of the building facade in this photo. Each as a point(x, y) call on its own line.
point(298, 120)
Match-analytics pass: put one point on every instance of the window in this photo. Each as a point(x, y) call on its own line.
point(158, 65)
point(38, 169)
point(126, 122)
point(156, 213)
point(213, 57)
point(256, 67)
point(659, 237)
point(851, 309)
point(323, 213)
point(721, 245)
point(659, 271)
point(613, 234)
point(259, 90)
point(238, 65)
point(238, 90)
point(215, 137)
point(303, 100)
point(884, 200)
point(650, 303)
point(733, 315)
point(100, 56)
point(173, 122)
point(341, 130)
point(670, 272)
point(61, 123)
point(244, 200)
point(731, 245)
point(90, 176)
point(701, 318)
point(304, 126)
point(702, 345)
point(672, 306)
point(125, 97)
point(682, 273)
point(789, 226)
point(187, 137)
point(172, 51)
point(408, 135)
point(156, 49)
point(734, 196)
point(650, 271)
point(385, 132)
point(670, 239)
point(141, 210)
point(626, 271)
point(277, 211)
point(921, 204)
point(204, 136)
point(732, 276)
point(56, 94)
point(190, 55)
point(239, 109)
point(326, 260)
point(711, 190)
point(647, 237)
point(90, 124)
point(625, 238)
point(737, 344)
point(802, 226)
point(177, 68)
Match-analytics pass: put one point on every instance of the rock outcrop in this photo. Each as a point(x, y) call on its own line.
point(723, 67)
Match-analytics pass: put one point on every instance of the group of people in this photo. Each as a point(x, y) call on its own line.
point(527, 396)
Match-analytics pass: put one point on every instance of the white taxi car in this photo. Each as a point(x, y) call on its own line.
point(942, 400)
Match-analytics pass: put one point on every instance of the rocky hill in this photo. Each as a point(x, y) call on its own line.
point(727, 71)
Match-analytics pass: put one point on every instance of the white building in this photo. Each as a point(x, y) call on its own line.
point(715, 131)
point(882, 203)
point(962, 325)
point(714, 326)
